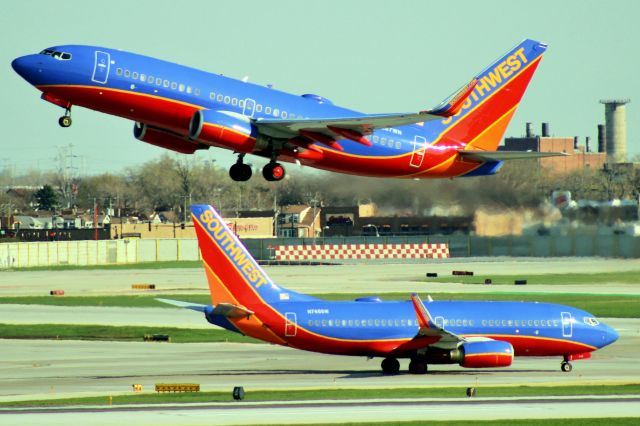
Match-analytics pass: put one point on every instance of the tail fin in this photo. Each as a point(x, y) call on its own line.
point(233, 274)
point(483, 117)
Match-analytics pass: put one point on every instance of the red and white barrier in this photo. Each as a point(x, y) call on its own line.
point(362, 251)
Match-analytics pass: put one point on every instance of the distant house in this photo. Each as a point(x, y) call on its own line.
point(27, 222)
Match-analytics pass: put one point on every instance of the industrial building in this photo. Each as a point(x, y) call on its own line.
point(611, 148)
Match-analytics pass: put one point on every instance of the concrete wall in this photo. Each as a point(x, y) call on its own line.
point(108, 252)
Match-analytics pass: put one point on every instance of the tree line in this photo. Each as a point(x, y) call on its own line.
point(170, 182)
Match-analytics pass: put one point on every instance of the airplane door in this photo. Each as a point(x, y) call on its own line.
point(419, 147)
point(567, 324)
point(291, 325)
point(101, 67)
point(249, 107)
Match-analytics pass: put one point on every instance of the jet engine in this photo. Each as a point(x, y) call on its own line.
point(165, 139)
point(226, 129)
point(475, 354)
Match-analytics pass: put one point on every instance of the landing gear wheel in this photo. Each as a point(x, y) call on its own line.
point(566, 366)
point(417, 366)
point(273, 172)
point(390, 366)
point(240, 172)
point(64, 121)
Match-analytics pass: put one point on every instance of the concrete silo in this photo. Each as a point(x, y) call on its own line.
point(616, 129)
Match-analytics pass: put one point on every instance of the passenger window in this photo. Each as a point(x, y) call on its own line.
point(337, 323)
point(158, 81)
point(324, 323)
point(350, 322)
point(119, 71)
point(357, 323)
point(181, 87)
point(134, 75)
point(317, 323)
point(292, 116)
point(471, 323)
point(504, 323)
point(484, 323)
point(465, 323)
point(383, 141)
point(197, 92)
point(410, 323)
point(189, 89)
point(398, 145)
point(396, 323)
point(490, 323)
point(344, 323)
point(227, 99)
point(212, 95)
point(174, 85)
point(384, 323)
point(330, 323)
point(127, 73)
point(219, 98)
point(276, 112)
point(376, 139)
point(310, 323)
point(369, 323)
point(284, 114)
point(530, 323)
point(143, 77)
point(151, 79)
point(267, 110)
point(234, 101)
point(241, 104)
point(165, 83)
point(403, 323)
point(259, 108)
point(459, 322)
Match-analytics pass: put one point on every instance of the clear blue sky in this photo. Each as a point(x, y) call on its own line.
point(373, 56)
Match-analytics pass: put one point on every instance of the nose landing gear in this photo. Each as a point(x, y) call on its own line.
point(65, 120)
point(240, 172)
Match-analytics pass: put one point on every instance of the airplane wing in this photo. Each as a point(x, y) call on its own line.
point(506, 155)
point(225, 309)
point(326, 130)
point(428, 327)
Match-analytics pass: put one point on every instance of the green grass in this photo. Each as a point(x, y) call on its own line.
point(115, 333)
point(616, 306)
point(619, 277)
point(151, 397)
point(617, 421)
point(143, 265)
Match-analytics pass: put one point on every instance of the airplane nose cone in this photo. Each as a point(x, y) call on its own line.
point(610, 335)
point(24, 66)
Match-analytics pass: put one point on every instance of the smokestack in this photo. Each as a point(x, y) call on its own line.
point(575, 143)
point(529, 128)
point(587, 142)
point(602, 138)
point(545, 130)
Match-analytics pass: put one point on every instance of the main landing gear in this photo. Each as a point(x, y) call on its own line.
point(566, 366)
point(390, 366)
point(240, 172)
point(65, 120)
point(273, 171)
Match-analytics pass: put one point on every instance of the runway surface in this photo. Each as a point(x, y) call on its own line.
point(43, 369)
point(353, 278)
point(241, 413)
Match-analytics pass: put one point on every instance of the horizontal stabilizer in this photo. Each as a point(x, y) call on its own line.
point(186, 305)
point(224, 309)
point(507, 155)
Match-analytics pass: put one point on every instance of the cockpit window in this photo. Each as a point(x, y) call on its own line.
point(590, 321)
point(61, 56)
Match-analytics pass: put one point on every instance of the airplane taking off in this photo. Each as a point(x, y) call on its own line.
point(473, 334)
point(184, 110)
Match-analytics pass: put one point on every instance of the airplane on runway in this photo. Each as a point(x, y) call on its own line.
point(473, 334)
point(184, 110)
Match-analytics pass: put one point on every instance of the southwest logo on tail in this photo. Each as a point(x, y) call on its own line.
point(184, 110)
point(472, 334)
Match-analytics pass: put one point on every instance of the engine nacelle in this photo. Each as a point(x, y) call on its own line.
point(163, 139)
point(486, 354)
point(225, 130)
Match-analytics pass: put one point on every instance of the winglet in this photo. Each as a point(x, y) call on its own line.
point(452, 105)
point(424, 318)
